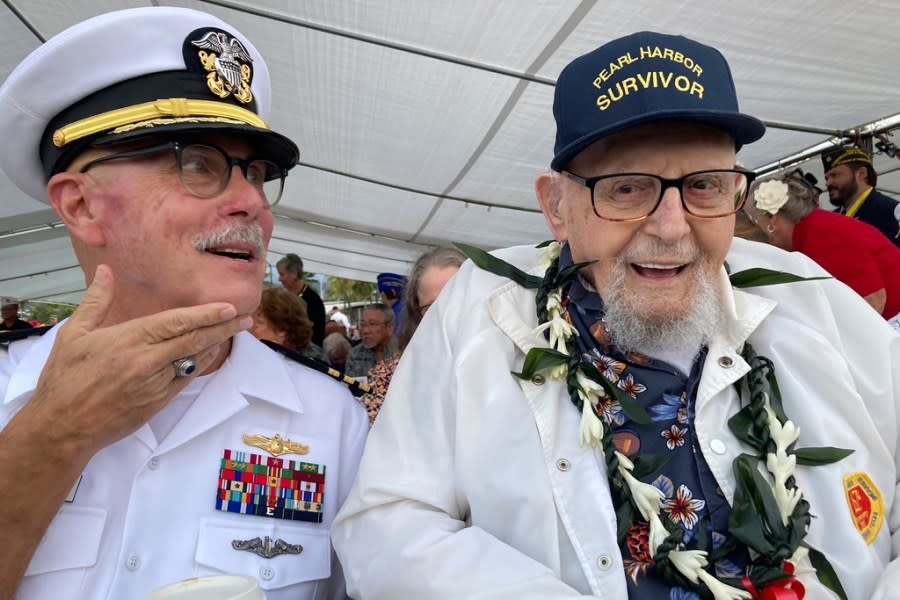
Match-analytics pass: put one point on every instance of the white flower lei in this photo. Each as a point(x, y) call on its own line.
point(647, 498)
point(761, 425)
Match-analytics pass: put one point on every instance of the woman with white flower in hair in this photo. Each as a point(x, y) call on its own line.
point(854, 252)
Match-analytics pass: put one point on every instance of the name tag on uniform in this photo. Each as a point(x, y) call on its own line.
point(267, 486)
point(71, 497)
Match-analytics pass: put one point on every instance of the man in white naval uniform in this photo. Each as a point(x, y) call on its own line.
point(478, 483)
point(149, 438)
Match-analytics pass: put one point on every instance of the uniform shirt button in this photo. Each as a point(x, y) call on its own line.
point(726, 362)
point(717, 446)
point(266, 573)
point(604, 562)
point(153, 464)
point(133, 562)
point(538, 380)
point(563, 464)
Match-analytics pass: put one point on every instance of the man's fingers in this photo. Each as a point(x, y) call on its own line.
point(95, 303)
point(179, 322)
point(200, 340)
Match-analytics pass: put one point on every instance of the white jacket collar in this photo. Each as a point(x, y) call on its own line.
point(512, 309)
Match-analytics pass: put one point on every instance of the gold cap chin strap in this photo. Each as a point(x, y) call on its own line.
point(169, 107)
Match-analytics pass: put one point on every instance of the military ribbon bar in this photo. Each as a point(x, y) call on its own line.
point(267, 486)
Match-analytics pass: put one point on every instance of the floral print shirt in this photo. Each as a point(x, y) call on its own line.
point(379, 378)
point(693, 500)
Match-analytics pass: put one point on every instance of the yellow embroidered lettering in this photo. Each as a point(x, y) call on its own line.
point(679, 57)
point(646, 82)
point(697, 89)
point(665, 82)
point(612, 95)
point(627, 59)
point(682, 83)
point(644, 52)
point(603, 102)
point(630, 85)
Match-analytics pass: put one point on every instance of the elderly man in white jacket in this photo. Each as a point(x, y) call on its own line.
point(611, 416)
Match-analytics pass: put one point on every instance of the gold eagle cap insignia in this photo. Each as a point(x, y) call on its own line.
point(275, 445)
point(228, 65)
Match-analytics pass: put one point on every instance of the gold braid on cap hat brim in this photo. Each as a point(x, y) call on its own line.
point(169, 107)
point(850, 156)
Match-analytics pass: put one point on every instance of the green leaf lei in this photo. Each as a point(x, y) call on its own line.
point(770, 517)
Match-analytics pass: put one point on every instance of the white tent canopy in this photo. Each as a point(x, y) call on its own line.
point(423, 122)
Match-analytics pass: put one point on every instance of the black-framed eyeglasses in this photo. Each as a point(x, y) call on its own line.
point(629, 197)
point(205, 170)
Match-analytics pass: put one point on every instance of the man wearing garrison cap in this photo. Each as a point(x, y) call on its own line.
point(391, 286)
point(851, 181)
point(598, 416)
point(149, 438)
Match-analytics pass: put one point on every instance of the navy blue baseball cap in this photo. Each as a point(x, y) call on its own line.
point(640, 78)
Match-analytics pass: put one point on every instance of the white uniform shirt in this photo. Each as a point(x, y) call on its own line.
point(144, 515)
point(473, 484)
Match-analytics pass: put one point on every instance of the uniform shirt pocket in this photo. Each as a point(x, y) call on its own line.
point(72, 541)
point(215, 553)
point(69, 549)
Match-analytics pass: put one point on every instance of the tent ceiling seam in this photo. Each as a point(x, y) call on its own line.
point(359, 37)
point(12, 8)
point(360, 232)
point(40, 273)
point(57, 294)
point(413, 190)
point(334, 249)
point(552, 46)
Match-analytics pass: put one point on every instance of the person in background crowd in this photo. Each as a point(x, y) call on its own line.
point(851, 179)
point(11, 320)
point(391, 287)
point(336, 347)
point(786, 210)
point(333, 327)
point(340, 318)
point(128, 434)
point(378, 341)
point(290, 274)
point(281, 318)
point(599, 416)
point(430, 273)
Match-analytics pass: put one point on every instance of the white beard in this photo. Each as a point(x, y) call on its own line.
point(663, 336)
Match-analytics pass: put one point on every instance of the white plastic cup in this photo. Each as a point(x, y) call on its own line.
point(215, 587)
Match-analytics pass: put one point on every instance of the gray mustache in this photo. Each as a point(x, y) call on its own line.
point(251, 233)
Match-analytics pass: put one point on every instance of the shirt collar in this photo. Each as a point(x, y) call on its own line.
point(251, 370)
